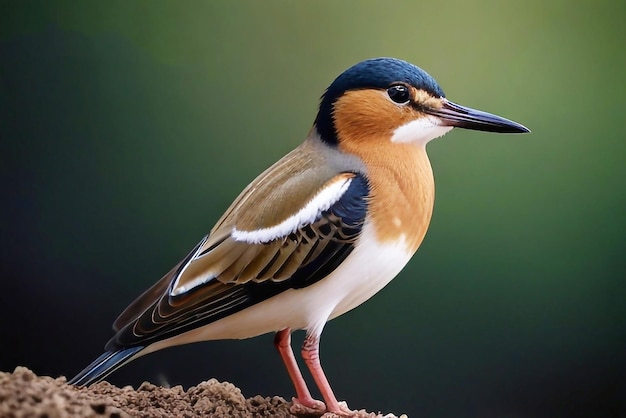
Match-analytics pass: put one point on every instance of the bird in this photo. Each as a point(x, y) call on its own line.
point(313, 236)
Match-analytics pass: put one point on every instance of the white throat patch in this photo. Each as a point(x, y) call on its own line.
point(420, 131)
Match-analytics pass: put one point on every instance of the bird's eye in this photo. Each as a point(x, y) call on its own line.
point(399, 94)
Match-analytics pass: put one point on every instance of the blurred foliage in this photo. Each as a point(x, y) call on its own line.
point(128, 127)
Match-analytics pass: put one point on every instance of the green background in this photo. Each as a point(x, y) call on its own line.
point(127, 128)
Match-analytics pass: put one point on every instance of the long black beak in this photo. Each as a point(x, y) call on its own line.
point(452, 114)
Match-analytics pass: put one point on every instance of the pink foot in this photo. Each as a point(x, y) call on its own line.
point(340, 410)
point(306, 406)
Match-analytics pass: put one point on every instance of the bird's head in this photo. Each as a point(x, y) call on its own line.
point(392, 100)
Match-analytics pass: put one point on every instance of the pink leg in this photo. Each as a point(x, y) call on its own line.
point(303, 403)
point(311, 356)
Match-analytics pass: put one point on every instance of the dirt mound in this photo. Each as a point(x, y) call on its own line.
point(24, 394)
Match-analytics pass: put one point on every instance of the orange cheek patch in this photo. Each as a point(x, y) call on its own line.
point(360, 114)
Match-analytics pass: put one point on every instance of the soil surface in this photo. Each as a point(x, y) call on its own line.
point(24, 394)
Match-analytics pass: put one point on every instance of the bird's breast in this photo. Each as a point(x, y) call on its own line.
point(402, 191)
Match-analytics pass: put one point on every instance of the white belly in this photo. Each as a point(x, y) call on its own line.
point(363, 273)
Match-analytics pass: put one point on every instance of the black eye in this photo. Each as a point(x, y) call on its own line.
point(399, 94)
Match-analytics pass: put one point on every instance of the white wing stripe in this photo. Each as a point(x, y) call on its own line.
point(308, 214)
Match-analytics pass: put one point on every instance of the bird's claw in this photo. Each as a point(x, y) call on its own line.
point(307, 407)
point(313, 407)
point(342, 412)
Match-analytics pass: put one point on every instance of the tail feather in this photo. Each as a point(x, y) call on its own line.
point(104, 365)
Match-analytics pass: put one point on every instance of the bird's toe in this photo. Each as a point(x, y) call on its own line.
point(341, 410)
point(308, 406)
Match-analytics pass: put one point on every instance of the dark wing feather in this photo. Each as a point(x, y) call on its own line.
point(243, 274)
